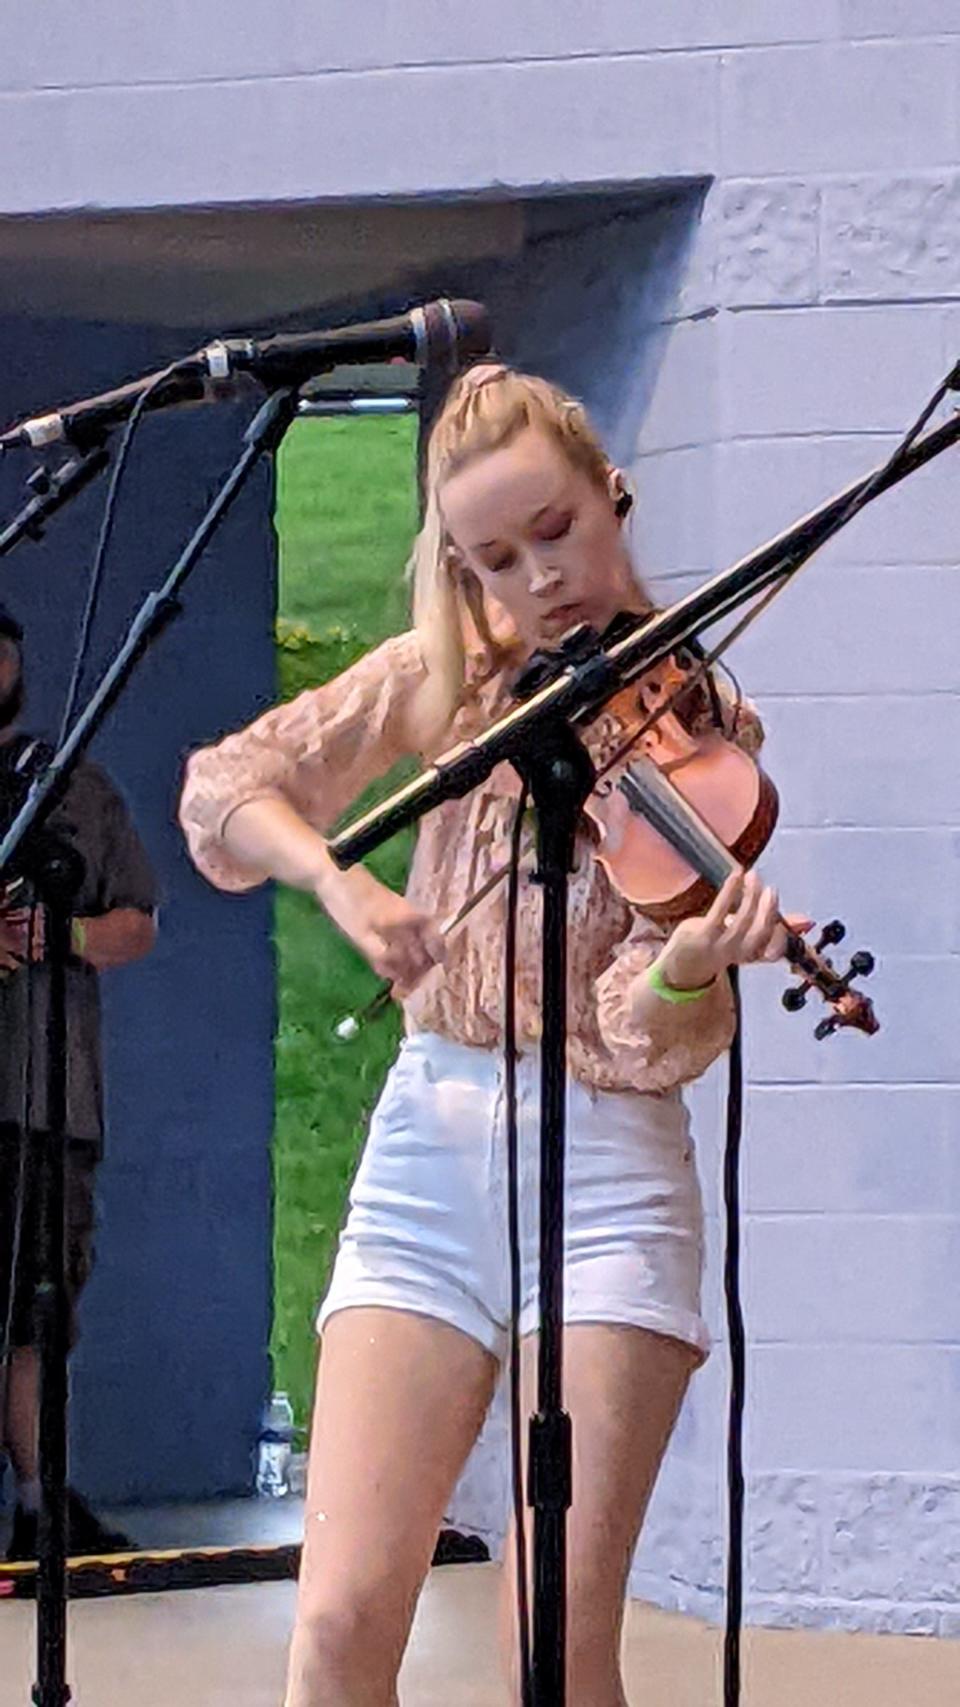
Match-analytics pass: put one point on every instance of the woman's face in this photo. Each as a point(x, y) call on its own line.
point(542, 538)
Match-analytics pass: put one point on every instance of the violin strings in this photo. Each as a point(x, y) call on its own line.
point(678, 821)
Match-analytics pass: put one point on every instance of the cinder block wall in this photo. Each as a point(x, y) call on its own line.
point(819, 307)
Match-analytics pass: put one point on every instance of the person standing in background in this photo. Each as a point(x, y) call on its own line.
point(114, 924)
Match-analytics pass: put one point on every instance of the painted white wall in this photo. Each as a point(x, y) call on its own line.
point(820, 305)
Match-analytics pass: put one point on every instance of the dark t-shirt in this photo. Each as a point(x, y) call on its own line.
point(117, 874)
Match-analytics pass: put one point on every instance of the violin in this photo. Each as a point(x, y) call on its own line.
point(671, 822)
point(686, 811)
point(728, 791)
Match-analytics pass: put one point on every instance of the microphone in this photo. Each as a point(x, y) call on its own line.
point(441, 331)
point(436, 332)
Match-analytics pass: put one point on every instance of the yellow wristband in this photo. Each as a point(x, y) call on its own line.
point(666, 992)
point(78, 938)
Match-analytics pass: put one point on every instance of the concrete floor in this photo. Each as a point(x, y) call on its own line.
point(225, 1647)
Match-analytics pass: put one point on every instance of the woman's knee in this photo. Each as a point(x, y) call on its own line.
point(345, 1632)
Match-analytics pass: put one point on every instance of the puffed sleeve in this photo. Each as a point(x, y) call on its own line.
point(681, 1039)
point(318, 752)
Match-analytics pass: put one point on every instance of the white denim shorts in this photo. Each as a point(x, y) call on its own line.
point(426, 1229)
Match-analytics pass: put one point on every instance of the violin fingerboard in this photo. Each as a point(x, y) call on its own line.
point(648, 792)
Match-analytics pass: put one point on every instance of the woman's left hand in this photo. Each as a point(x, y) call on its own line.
point(742, 925)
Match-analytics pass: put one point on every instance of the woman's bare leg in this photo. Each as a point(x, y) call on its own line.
point(623, 1387)
point(400, 1402)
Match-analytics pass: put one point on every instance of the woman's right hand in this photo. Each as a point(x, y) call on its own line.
point(399, 943)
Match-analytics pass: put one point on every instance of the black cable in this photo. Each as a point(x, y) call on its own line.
point(106, 528)
point(513, 1219)
point(738, 1358)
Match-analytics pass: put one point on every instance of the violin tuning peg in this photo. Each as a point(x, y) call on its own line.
point(862, 963)
point(794, 998)
point(835, 931)
point(826, 1028)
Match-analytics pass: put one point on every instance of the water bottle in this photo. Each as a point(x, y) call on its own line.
point(275, 1448)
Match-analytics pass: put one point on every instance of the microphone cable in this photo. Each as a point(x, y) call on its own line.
point(106, 529)
point(738, 1356)
point(513, 1221)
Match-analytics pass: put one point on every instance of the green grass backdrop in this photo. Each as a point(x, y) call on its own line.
point(346, 515)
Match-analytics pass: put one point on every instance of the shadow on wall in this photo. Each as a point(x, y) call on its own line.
point(592, 298)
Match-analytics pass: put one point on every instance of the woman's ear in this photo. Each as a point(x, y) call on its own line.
point(621, 495)
point(452, 557)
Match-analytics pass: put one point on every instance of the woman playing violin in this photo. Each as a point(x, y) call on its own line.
point(522, 537)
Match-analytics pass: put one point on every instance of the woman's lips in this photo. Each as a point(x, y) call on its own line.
point(563, 613)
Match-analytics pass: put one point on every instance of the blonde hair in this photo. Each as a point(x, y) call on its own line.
point(485, 409)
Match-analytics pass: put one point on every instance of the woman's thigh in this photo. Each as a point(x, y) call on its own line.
point(623, 1387)
point(400, 1401)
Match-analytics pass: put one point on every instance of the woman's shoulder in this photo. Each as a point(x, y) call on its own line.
point(400, 656)
point(376, 693)
point(389, 670)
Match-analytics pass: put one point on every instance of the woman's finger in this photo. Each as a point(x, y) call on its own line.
point(406, 962)
point(435, 944)
point(777, 946)
point(726, 901)
point(746, 936)
point(764, 926)
point(740, 920)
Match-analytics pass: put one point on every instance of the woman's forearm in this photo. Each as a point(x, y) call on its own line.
point(649, 1010)
point(269, 835)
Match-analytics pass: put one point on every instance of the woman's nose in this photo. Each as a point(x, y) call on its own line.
point(544, 577)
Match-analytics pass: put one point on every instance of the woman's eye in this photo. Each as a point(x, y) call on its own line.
point(550, 531)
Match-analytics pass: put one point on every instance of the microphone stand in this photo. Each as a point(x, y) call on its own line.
point(560, 775)
point(51, 492)
point(56, 876)
point(55, 872)
point(538, 739)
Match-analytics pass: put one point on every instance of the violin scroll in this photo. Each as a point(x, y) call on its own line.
point(850, 1007)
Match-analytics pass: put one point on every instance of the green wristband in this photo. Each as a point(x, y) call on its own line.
point(78, 938)
point(665, 991)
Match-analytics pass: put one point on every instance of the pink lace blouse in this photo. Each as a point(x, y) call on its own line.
point(323, 748)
